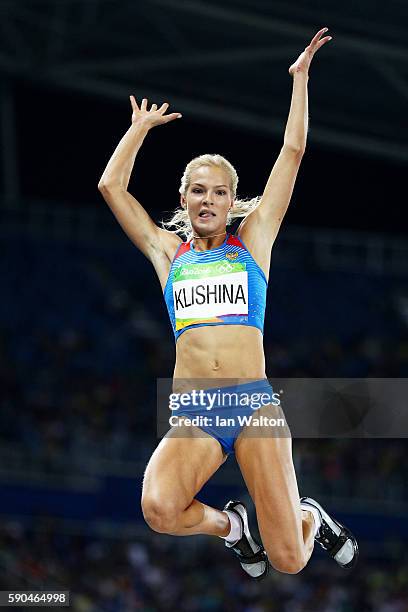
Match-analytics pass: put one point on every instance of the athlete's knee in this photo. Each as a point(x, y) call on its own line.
point(286, 559)
point(160, 514)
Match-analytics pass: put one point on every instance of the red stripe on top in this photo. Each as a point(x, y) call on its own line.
point(235, 241)
point(183, 248)
point(186, 246)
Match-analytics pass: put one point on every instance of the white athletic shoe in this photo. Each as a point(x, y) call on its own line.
point(336, 539)
point(251, 555)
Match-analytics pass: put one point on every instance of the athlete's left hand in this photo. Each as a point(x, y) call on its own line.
point(304, 60)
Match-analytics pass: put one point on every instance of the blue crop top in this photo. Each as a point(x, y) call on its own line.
point(221, 286)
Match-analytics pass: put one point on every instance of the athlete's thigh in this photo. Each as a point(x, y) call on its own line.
point(265, 461)
point(181, 465)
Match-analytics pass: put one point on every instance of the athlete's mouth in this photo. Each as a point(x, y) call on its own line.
point(206, 214)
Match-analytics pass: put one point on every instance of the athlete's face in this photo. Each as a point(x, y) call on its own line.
point(208, 200)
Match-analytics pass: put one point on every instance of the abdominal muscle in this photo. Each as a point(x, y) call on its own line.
point(218, 352)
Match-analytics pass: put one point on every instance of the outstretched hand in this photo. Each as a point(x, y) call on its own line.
point(154, 116)
point(304, 60)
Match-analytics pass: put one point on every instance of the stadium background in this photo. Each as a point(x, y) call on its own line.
point(84, 333)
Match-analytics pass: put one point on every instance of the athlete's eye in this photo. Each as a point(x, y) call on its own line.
point(221, 192)
point(197, 190)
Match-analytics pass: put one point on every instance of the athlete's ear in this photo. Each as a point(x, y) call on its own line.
point(182, 201)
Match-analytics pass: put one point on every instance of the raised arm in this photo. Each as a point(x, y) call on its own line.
point(259, 229)
point(152, 240)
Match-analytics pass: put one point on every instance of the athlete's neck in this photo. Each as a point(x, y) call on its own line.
point(205, 243)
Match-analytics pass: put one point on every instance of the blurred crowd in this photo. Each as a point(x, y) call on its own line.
point(57, 417)
point(163, 575)
point(81, 348)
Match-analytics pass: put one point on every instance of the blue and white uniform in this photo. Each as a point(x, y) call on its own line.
point(220, 286)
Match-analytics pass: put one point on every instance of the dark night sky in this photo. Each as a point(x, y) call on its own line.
point(65, 140)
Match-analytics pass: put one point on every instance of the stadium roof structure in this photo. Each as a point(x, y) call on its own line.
point(225, 60)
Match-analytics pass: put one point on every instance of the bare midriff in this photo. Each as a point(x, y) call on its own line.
point(218, 352)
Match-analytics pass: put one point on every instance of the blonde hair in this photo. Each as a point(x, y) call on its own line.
point(179, 223)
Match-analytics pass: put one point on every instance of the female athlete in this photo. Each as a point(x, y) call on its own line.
point(215, 287)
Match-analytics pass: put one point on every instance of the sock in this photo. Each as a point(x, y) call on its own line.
point(316, 517)
point(235, 533)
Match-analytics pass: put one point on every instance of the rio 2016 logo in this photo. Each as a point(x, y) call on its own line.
point(225, 268)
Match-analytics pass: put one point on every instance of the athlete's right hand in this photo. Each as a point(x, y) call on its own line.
point(154, 116)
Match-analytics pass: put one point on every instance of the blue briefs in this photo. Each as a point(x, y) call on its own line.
point(222, 412)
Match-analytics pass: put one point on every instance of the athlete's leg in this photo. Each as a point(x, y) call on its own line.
point(177, 470)
point(266, 464)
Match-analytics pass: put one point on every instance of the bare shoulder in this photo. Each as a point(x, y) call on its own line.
point(250, 231)
point(169, 242)
point(162, 253)
point(256, 240)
